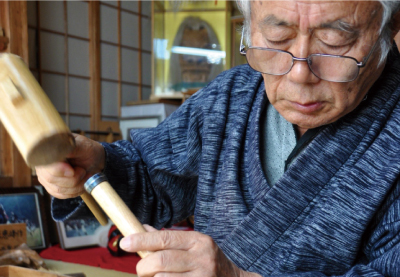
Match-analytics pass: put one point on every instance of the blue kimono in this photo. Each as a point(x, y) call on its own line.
point(335, 211)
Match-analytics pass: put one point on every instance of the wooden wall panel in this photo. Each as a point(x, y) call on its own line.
point(14, 21)
point(95, 64)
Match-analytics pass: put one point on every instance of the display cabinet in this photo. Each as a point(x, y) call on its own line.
point(191, 45)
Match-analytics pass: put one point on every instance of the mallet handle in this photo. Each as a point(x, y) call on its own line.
point(94, 208)
point(114, 207)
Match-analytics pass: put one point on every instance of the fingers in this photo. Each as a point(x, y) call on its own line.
point(66, 179)
point(58, 183)
point(88, 154)
point(160, 240)
point(59, 169)
point(177, 261)
point(178, 253)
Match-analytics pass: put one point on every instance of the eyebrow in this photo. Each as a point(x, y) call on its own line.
point(343, 26)
point(339, 25)
point(273, 20)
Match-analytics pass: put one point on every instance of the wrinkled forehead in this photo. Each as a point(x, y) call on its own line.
point(306, 15)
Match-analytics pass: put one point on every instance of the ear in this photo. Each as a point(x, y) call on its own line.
point(396, 27)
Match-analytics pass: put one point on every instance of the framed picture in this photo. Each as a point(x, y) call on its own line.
point(82, 232)
point(24, 205)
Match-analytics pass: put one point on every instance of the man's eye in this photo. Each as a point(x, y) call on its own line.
point(278, 42)
point(336, 47)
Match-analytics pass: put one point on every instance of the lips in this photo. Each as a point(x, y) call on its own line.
point(307, 108)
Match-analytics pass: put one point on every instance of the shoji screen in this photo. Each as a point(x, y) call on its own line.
point(125, 38)
point(59, 56)
point(59, 42)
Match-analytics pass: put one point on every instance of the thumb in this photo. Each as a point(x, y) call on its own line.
point(148, 228)
point(80, 174)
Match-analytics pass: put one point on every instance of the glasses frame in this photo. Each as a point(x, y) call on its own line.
point(243, 52)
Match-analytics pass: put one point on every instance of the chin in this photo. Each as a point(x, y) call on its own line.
point(306, 121)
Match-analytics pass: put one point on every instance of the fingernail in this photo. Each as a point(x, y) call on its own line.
point(124, 244)
point(68, 173)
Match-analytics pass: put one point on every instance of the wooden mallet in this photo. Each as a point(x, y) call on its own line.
point(42, 138)
point(33, 123)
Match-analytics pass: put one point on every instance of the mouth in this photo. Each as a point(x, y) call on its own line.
point(307, 108)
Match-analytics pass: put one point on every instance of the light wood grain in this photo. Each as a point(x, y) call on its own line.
point(16, 271)
point(89, 271)
point(118, 212)
point(13, 18)
point(94, 208)
point(33, 123)
point(29, 116)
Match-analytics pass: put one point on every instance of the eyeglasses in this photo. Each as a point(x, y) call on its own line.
point(333, 68)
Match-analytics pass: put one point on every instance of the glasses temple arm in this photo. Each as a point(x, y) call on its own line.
point(242, 47)
point(364, 61)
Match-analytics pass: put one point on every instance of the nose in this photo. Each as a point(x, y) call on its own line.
point(301, 73)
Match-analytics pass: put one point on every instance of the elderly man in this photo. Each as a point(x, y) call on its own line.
point(290, 164)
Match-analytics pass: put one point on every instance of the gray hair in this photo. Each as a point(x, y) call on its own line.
point(390, 7)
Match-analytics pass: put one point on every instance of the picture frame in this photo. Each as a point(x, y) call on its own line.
point(25, 205)
point(82, 232)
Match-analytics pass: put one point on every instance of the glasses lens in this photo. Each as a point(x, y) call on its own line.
point(334, 68)
point(269, 61)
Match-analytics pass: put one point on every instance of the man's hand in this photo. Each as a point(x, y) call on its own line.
point(66, 179)
point(180, 253)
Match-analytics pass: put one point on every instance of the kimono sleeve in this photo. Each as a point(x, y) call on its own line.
point(156, 174)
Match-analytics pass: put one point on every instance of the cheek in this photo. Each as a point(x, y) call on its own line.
point(346, 99)
point(343, 95)
point(349, 89)
point(273, 87)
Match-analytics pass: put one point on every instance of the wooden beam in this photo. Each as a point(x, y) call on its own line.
point(119, 92)
point(95, 63)
point(66, 63)
point(6, 145)
point(6, 182)
point(140, 92)
point(14, 21)
point(17, 27)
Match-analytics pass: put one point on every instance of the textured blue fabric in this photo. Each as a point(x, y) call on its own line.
point(335, 211)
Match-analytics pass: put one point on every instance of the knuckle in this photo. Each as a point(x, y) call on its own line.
point(165, 239)
point(206, 240)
